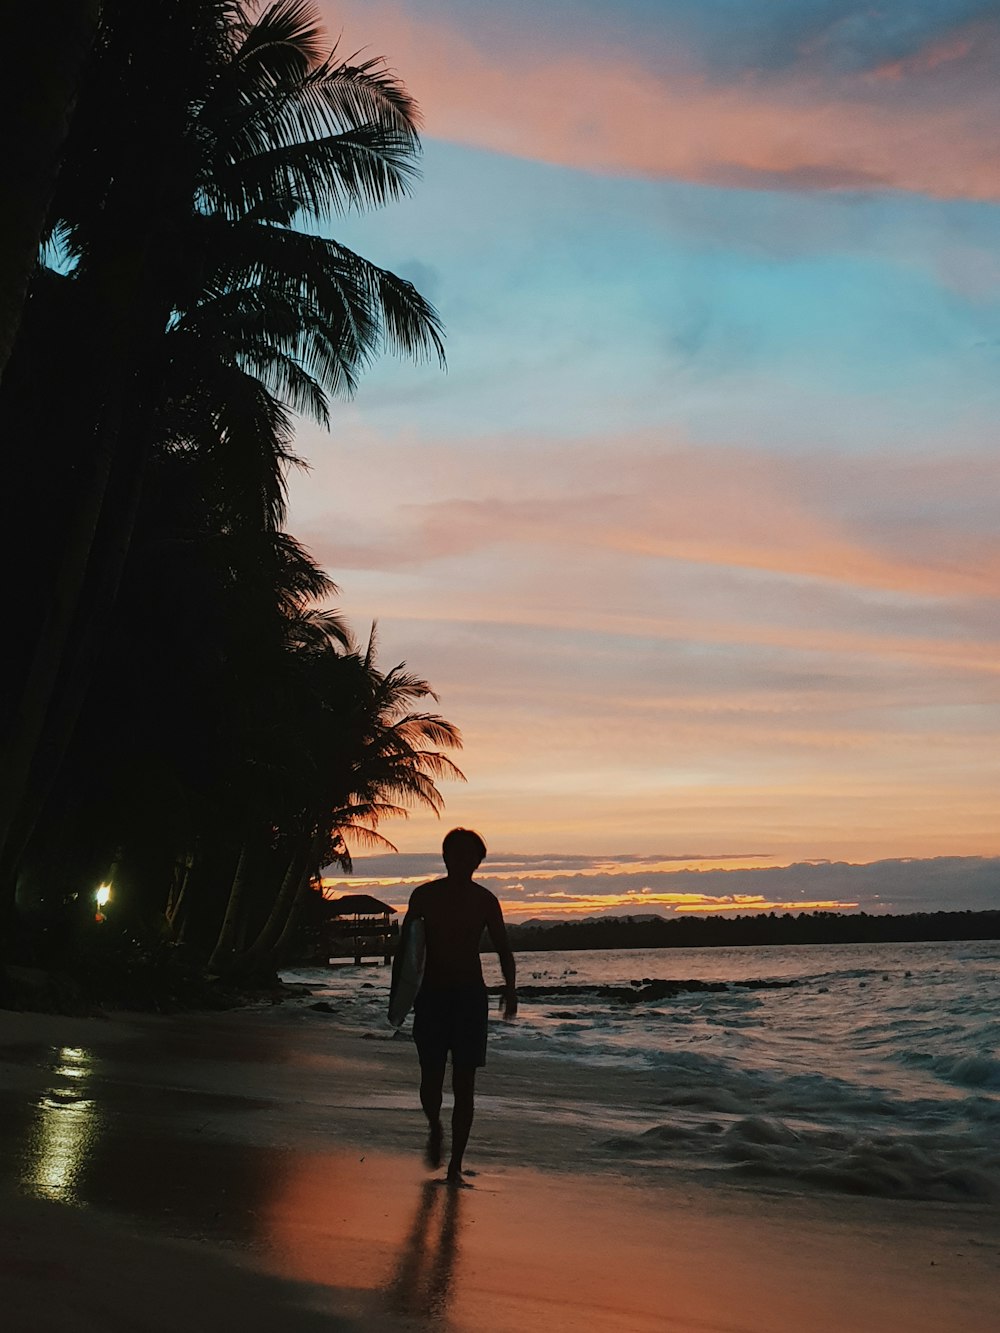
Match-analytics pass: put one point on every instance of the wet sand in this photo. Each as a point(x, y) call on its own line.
point(262, 1171)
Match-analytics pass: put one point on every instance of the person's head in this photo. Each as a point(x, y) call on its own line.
point(462, 850)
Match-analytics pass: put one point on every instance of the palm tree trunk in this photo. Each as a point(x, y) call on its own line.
point(284, 940)
point(266, 948)
point(272, 927)
point(178, 892)
point(224, 952)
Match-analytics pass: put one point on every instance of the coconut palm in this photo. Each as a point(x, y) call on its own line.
point(203, 301)
point(356, 756)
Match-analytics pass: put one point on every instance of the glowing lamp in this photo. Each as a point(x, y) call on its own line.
point(103, 894)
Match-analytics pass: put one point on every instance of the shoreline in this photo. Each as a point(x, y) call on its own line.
point(242, 1152)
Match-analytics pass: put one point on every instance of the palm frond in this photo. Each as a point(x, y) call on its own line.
point(367, 837)
point(366, 166)
point(367, 92)
point(328, 99)
point(428, 728)
point(285, 378)
point(283, 42)
point(320, 630)
point(301, 579)
point(370, 650)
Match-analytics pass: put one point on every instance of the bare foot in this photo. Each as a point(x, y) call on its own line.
point(456, 1181)
point(432, 1152)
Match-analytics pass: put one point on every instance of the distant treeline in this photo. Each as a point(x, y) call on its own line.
point(653, 932)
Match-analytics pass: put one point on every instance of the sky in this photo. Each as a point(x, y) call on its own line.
point(698, 536)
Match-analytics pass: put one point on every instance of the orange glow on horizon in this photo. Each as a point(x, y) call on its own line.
point(598, 904)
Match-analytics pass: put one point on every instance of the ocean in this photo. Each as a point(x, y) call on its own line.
point(862, 1068)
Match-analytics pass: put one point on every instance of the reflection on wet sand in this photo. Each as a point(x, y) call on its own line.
point(77, 1132)
point(422, 1283)
point(63, 1130)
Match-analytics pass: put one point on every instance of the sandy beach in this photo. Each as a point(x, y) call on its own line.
point(261, 1169)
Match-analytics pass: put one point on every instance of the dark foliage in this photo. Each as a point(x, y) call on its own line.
point(182, 718)
point(692, 932)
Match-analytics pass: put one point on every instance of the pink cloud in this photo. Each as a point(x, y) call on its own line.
point(916, 125)
point(786, 515)
point(951, 49)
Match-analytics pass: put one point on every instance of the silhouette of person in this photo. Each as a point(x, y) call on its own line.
point(450, 1011)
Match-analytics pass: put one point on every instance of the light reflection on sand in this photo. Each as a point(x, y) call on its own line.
point(64, 1129)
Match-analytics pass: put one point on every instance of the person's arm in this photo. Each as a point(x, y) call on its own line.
point(498, 937)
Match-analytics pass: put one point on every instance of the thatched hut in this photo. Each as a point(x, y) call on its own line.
point(361, 921)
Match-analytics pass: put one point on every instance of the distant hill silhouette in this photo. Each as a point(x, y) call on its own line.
point(657, 932)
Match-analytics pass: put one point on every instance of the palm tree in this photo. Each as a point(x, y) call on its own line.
point(191, 209)
point(356, 756)
point(397, 764)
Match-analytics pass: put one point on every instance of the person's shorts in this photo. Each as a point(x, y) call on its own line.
point(452, 1021)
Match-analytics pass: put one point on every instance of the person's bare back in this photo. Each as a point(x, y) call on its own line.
point(455, 913)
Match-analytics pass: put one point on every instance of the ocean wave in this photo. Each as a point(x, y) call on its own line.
point(809, 1095)
point(977, 1070)
point(985, 1109)
point(942, 1166)
point(875, 1072)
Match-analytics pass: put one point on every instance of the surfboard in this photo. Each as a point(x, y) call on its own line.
point(407, 970)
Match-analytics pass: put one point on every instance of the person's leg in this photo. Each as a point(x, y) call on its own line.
point(463, 1082)
point(431, 1091)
